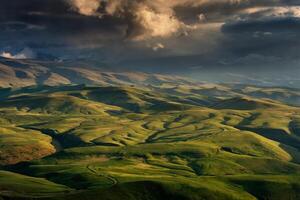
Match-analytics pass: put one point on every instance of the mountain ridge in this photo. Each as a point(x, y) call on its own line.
point(22, 73)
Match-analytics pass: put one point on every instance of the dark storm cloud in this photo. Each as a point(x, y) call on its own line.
point(52, 26)
point(55, 15)
point(163, 18)
point(272, 36)
point(238, 30)
point(288, 24)
point(137, 19)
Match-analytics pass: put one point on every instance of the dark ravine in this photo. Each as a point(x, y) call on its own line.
point(60, 140)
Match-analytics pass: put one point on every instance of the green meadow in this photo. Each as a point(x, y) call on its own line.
point(156, 142)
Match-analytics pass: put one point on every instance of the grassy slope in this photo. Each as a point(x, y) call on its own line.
point(126, 141)
point(16, 185)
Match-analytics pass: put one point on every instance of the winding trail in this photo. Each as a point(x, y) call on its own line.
point(96, 172)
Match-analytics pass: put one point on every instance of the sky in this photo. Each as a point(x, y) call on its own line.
point(190, 36)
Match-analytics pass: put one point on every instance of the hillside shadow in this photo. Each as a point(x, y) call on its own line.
point(288, 143)
point(294, 127)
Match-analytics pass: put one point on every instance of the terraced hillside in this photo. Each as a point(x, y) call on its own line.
point(171, 141)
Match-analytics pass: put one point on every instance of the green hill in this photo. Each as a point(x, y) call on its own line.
point(154, 142)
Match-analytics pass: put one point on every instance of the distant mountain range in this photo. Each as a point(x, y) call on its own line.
point(22, 73)
point(28, 73)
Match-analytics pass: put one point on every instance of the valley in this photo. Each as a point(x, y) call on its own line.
point(185, 141)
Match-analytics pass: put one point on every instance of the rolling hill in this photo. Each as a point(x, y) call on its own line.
point(185, 141)
point(142, 136)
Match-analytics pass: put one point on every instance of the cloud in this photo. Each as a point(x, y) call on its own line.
point(24, 54)
point(277, 11)
point(145, 19)
point(136, 20)
point(158, 46)
point(85, 7)
point(131, 29)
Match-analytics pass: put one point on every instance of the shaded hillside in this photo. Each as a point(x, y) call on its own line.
point(185, 141)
